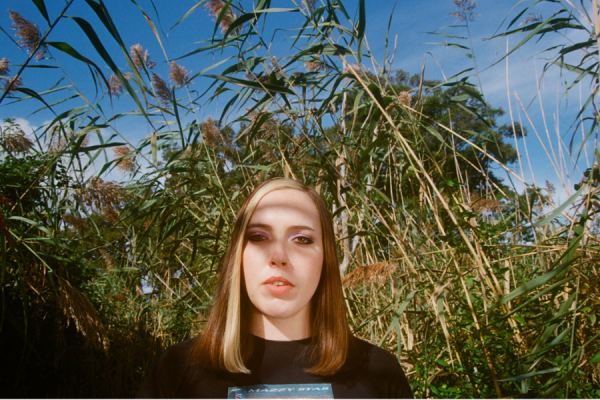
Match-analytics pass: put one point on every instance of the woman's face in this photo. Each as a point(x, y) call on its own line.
point(283, 255)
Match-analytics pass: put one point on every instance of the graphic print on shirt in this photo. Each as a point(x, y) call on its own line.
point(292, 391)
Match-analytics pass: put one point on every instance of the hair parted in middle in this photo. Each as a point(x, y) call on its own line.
point(226, 342)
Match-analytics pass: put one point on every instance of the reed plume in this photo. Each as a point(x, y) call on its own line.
point(405, 98)
point(115, 87)
point(4, 67)
point(317, 65)
point(77, 223)
point(210, 132)
point(465, 10)
point(163, 92)
point(28, 34)
point(17, 143)
point(77, 307)
point(481, 204)
point(179, 75)
point(101, 194)
point(124, 164)
point(369, 274)
point(12, 84)
point(309, 6)
point(140, 57)
point(215, 7)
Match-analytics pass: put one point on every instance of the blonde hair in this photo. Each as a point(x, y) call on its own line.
point(224, 345)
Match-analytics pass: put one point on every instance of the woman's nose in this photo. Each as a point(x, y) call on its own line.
point(278, 256)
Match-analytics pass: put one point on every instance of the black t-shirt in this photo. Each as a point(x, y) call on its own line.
point(277, 370)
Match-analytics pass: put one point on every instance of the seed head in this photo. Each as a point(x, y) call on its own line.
point(17, 142)
point(309, 6)
point(140, 57)
point(369, 274)
point(179, 75)
point(115, 86)
point(101, 194)
point(4, 68)
point(353, 67)
point(531, 17)
point(12, 84)
point(405, 98)
point(77, 223)
point(465, 10)
point(28, 33)
point(163, 92)
point(125, 163)
point(210, 132)
point(214, 8)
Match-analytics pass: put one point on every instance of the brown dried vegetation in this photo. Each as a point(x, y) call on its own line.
point(77, 307)
point(369, 274)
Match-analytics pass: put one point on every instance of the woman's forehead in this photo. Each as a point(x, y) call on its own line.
point(286, 205)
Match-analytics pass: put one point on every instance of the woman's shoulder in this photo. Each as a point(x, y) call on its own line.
point(181, 351)
point(375, 355)
point(169, 372)
point(381, 370)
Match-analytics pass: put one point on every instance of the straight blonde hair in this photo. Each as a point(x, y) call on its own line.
point(224, 344)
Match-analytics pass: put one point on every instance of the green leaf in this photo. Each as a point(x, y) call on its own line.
point(42, 9)
point(362, 23)
point(595, 359)
point(525, 376)
point(559, 209)
point(253, 85)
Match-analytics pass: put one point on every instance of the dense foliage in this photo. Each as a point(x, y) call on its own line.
point(481, 291)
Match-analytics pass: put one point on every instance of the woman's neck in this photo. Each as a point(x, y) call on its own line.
point(293, 328)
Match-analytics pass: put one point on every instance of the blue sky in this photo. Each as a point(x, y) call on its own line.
point(411, 23)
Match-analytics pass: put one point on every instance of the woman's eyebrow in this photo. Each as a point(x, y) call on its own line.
point(259, 225)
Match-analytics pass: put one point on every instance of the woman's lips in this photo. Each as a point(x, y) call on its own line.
point(278, 285)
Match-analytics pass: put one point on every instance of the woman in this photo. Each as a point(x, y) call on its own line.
point(278, 324)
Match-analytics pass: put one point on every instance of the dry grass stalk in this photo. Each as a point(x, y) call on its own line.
point(215, 7)
point(100, 194)
point(163, 92)
point(17, 143)
point(4, 67)
point(125, 164)
point(77, 307)
point(12, 84)
point(369, 274)
point(28, 34)
point(140, 57)
point(179, 74)
point(210, 132)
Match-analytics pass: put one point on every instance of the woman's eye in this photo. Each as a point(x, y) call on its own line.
point(256, 237)
point(303, 240)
